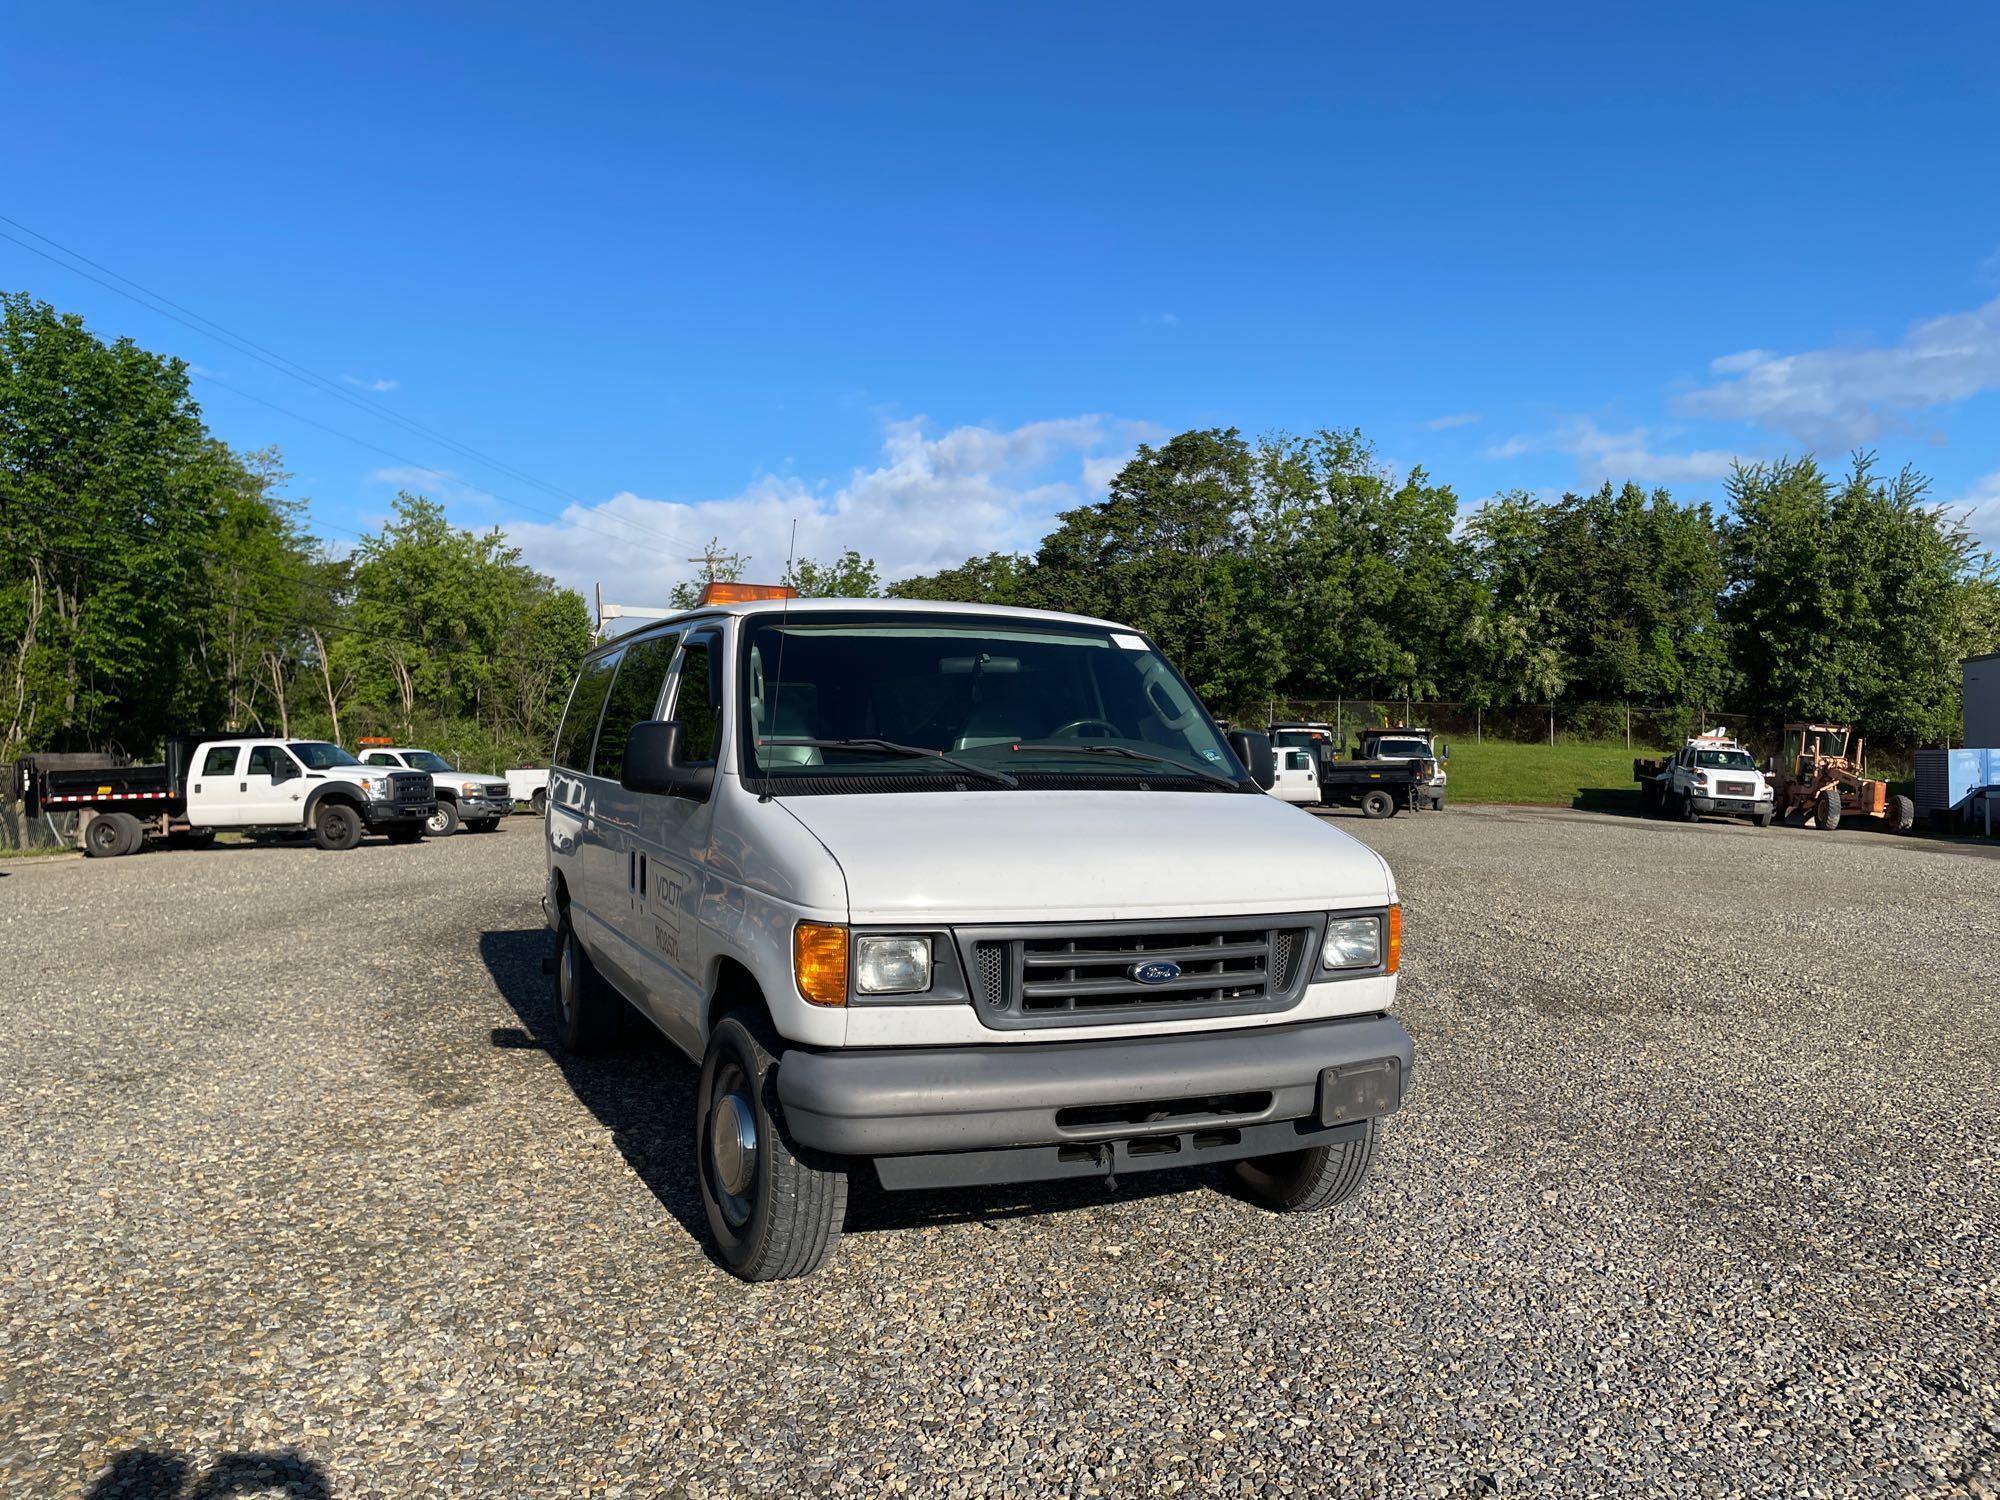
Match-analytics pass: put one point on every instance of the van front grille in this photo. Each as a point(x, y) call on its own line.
point(1070, 974)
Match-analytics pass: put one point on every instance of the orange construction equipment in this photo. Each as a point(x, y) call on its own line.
point(1822, 776)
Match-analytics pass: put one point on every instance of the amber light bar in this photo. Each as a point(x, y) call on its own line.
point(718, 592)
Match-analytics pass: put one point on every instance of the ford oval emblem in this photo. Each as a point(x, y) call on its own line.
point(1159, 971)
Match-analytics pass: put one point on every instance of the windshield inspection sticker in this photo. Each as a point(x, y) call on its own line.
point(1129, 642)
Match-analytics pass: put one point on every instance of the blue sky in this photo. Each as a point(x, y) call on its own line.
point(918, 276)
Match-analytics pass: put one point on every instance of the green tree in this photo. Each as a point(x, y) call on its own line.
point(996, 578)
point(110, 489)
point(1361, 569)
point(1850, 601)
point(1166, 550)
point(432, 629)
point(1622, 586)
point(849, 576)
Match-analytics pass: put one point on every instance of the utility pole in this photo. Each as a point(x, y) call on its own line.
point(718, 564)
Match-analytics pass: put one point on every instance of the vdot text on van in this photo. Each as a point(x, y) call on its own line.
point(960, 895)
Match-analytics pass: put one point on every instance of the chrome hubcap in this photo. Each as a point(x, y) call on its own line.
point(732, 1150)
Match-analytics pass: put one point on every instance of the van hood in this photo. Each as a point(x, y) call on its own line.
point(1089, 856)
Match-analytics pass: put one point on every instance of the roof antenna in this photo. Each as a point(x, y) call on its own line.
point(784, 613)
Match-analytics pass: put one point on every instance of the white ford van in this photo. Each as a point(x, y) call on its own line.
point(959, 895)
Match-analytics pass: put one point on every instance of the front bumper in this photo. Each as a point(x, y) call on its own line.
point(390, 814)
point(935, 1117)
point(1725, 807)
point(484, 807)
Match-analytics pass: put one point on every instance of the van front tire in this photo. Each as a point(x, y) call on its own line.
point(587, 1008)
point(1309, 1181)
point(771, 1212)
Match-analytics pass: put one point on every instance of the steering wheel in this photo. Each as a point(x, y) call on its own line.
point(1062, 730)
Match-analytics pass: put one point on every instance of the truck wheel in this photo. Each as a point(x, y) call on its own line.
point(443, 820)
point(1826, 808)
point(1762, 819)
point(336, 826)
point(1685, 808)
point(1902, 814)
point(539, 803)
point(1376, 803)
point(773, 1213)
point(405, 833)
point(483, 825)
point(1309, 1181)
point(587, 1008)
point(111, 834)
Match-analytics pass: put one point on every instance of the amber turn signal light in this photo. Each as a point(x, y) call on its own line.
point(1394, 956)
point(819, 958)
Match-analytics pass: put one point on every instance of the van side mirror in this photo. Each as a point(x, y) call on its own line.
point(1254, 751)
point(282, 770)
point(653, 763)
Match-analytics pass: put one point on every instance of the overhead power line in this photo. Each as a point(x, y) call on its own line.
point(166, 307)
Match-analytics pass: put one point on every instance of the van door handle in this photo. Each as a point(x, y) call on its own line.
point(242, 786)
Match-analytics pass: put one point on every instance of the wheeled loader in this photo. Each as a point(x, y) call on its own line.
point(1822, 776)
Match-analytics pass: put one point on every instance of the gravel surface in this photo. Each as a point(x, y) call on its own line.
point(1697, 1195)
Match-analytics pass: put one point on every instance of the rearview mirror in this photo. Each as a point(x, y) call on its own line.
point(653, 763)
point(283, 770)
point(1254, 751)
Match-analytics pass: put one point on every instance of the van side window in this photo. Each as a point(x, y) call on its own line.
point(586, 702)
point(635, 692)
point(220, 761)
point(698, 701)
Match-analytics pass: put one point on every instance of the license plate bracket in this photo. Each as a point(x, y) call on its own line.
point(1360, 1091)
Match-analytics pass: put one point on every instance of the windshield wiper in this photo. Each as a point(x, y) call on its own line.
point(1101, 747)
point(986, 773)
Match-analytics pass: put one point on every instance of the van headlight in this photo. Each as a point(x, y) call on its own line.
point(885, 965)
point(1352, 943)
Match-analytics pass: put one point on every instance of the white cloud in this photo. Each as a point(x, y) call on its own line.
point(931, 502)
point(371, 385)
point(1456, 419)
point(1829, 397)
point(1980, 510)
point(1171, 320)
point(438, 484)
point(1602, 455)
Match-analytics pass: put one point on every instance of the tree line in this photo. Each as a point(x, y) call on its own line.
point(1303, 568)
point(152, 579)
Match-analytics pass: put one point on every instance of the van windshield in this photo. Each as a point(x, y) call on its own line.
point(1042, 702)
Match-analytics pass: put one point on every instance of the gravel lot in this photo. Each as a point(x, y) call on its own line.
point(1698, 1195)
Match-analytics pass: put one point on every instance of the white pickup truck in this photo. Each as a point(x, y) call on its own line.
point(476, 802)
point(1710, 775)
point(974, 895)
point(206, 784)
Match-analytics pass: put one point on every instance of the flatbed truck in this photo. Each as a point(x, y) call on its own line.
point(210, 782)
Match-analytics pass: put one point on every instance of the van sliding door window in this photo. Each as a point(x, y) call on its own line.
point(635, 693)
point(586, 702)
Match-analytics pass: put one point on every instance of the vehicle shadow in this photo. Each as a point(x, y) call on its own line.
point(1624, 802)
point(642, 1091)
point(644, 1094)
point(147, 1474)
